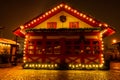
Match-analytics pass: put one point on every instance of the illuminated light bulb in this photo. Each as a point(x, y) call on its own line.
point(73, 66)
point(70, 65)
point(93, 65)
point(22, 27)
point(33, 65)
point(24, 61)
point(26, 36)
point(101, 65)
point(69, 8)
point(102, 58)
point(42, 65)
point(52, 65)
point(83, 66)
point(30, 65)
point(66, 6)
point(55, 65)
point(45, 65)
point(24, 58)
point(101, 55)
point(39, 65)
point(97, 66)
point(58, 7)
point(100, 24)
point(52, 10)
point(86, 66)
point(79, 64)
point(34, 21)
point(61, 5)
point(90, 66)
point(48, 65)
point(36, 65)
point(55, 8)
point(24, 52)
point(26, 26)
point(102, 45)
point(46, 13)
point(87, 18)
point(76, 66)
point(29, 24)
point(26, 65)
point(49, 12)
point(75, 11)
point(78, 13)
point(103, 61)
point(81, 14)
point(72, 10)
point(105, 25)
point(102, 48)
point(90, 19)
point(93, 21)
point(84, 16)
point(43, 15)
point(38, 19)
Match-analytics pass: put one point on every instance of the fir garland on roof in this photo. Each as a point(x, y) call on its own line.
point(64, 30)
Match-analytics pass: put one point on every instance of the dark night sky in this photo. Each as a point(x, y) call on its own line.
point(14, 13)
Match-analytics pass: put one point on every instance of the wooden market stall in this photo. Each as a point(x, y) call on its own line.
point(7, 50)
point(63, 38)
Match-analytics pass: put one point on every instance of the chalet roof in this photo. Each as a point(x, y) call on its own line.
point(7, 41)
point(64, 7)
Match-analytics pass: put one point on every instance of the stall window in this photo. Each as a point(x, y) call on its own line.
point(52, 25)
point(31, 47)
point(74, 24)
point(57, 47)
point(96, 47)
point(49, 47)
point(39, 48)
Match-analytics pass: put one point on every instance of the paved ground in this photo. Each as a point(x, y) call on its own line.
point(17, 73)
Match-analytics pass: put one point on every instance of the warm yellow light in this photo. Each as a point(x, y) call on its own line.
point(69, 8)
point(61, 5)
point(90, 66)
point(49, 12)
point(84, 16)
point(79, 64)
point(76, 66)
point(83, 65)
point(46, 13)
point(105, 25)
point(66, 6)
point(97, 66)
point(55, 65)
point(81, 14)
point(24, 61)
point(90, 19)
point(75, 11)
point(70, 65)
point(100, 24)
point(58, 7)
point(34, 21)
point(29, 24)
point(43, 15)
point(86, 66)
point(114, 41)
point(22, 27)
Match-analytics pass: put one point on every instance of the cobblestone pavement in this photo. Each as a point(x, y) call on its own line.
point(17, 73)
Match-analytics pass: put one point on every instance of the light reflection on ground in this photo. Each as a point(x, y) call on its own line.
point(18, 73)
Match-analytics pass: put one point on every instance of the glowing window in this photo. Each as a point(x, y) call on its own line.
point(74, 24)
point(52, 25)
